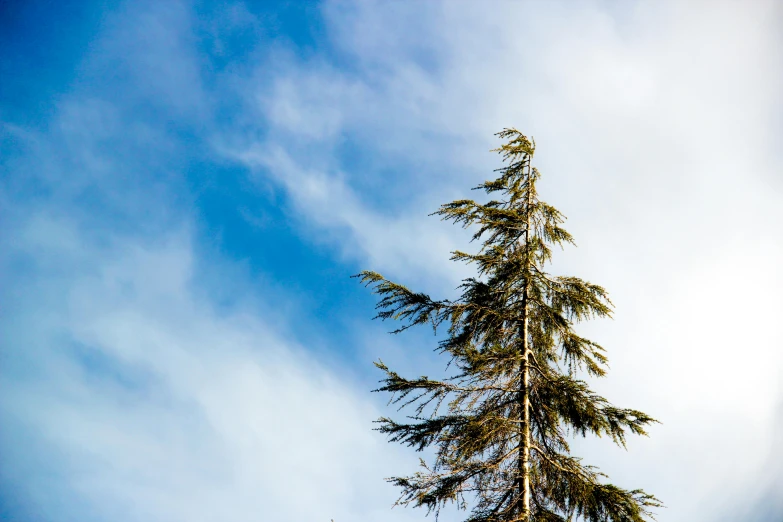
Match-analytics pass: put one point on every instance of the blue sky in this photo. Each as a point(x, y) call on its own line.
point(186, 187)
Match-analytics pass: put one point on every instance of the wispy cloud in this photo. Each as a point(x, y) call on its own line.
point(152, 405)
point(656, 128)
point(130, 392)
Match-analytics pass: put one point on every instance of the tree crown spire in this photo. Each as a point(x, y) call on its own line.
point(501, 423)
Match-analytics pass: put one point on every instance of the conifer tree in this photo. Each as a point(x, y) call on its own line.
point(500, 425)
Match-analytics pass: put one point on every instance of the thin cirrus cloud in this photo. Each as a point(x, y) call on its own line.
point(130, 392)
point(152, 405)
point(656, 129)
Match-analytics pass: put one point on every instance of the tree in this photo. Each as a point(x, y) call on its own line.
point(515, 398)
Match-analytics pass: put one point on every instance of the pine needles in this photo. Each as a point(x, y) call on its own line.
point(500, 425)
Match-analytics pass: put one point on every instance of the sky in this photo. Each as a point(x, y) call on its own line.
point(186, 188)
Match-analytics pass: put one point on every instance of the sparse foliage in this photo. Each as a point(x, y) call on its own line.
point(501, 423)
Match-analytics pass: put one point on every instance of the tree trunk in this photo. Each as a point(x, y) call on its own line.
point(524, 396)
point(524, 459)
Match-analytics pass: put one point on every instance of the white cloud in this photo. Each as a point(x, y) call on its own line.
point(161, 408)
point(328, 203)
point(635, 110)
point(126, 394)
point(657, 126)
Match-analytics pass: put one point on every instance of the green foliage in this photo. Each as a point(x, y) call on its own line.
point(500, 425)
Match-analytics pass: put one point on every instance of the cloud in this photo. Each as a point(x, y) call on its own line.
point(129, 393)
point(656, 127)
point(343, 218)
point(155, 406)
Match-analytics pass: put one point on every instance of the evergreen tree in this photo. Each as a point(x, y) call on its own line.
point(515, 398)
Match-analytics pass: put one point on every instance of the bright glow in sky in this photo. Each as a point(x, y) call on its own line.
point(186, 187)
